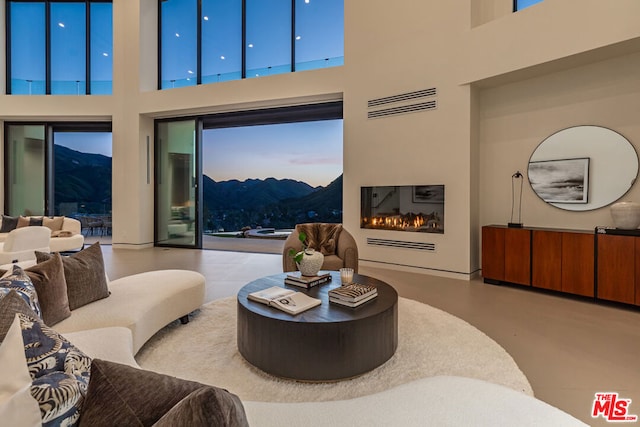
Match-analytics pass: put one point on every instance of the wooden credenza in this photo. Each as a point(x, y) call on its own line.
point(577, 262)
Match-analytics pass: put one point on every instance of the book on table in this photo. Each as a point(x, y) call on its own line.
point(352, 304)
point(297, 279)
point(287, 300)
point(353, 292)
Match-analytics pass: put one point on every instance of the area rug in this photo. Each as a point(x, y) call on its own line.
point(431, 343)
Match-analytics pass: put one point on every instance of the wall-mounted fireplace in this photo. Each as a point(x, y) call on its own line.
point(417, 208)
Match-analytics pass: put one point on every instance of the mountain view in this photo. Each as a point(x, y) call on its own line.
point(83, 180)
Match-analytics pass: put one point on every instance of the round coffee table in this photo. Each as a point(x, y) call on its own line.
point(326, 343)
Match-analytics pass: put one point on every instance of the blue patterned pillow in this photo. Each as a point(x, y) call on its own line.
point(60, 372)
point(18, 280)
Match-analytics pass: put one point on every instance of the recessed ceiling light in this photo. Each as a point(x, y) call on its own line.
point(307, 1)
point(206, 18)
point(221, 56)
point(298, 37)
point(177, 34)
point(61, 24)
point(190, 72)
point(105, 54)
point(250, 44)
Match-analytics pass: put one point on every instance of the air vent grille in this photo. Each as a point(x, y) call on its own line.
point(430, 247)
point(411, 108)
point(402, 97)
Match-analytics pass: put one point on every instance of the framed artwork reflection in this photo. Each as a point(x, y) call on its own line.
point(561, 181)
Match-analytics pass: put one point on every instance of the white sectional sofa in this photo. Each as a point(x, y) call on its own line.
point(68, 238)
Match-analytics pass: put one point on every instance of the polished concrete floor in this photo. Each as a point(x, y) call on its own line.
point(569, 349)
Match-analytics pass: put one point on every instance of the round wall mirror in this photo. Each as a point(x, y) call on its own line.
point(583, 168)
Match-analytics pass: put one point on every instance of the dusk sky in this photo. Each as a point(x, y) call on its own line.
point(310, 152)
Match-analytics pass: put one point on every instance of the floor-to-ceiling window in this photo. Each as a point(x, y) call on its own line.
point(208, 41)
point(262, 172)
point(59, 47)
point(60, 169)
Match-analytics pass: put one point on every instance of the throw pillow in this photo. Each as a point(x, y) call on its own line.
point(36, 220)
point(17, 406)
point(10, 304)
point(59, 372)
point(84, 274)
point(23, 221)
point(15, 278)
point(48, 279)
point(55, 223)
point(122, 395)
point(8, 223)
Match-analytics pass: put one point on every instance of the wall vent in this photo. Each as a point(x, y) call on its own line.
point(411, 108)
point(429, 247)
point(402, 97)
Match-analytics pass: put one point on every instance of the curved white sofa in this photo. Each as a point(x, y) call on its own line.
point(143, 303)
point(138, 306)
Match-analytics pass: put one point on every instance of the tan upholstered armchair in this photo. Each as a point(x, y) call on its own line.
point(345, 253)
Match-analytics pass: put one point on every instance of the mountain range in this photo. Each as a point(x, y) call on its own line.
point(86, 179)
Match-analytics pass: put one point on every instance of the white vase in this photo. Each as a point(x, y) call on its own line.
point(310, 263)
point(626, 215)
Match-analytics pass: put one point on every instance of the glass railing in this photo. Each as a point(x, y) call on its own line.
point(60, 87)
point(255, 72)
point(320, 63)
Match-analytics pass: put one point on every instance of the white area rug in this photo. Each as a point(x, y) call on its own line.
point(430, 343)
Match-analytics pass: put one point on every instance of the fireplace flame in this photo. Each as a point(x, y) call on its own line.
point(410, 222)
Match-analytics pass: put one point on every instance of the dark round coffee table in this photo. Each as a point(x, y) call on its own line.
point(326, 343)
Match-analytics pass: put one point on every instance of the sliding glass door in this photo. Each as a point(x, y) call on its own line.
point(177, 183)
point(25, 170)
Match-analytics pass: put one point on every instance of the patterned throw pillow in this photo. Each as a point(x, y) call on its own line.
point(15, 278)
point(60, 372)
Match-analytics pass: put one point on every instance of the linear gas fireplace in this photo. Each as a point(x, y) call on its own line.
point(418, 208)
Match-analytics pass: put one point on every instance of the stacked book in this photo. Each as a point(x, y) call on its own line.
point(353, 294)
point(297, 279)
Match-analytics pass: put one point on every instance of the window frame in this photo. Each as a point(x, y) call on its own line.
point(47, 35)
point(243, 48)
point(49, 129)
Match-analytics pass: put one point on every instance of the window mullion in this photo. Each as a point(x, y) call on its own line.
point(47, 43)
point(293, 35)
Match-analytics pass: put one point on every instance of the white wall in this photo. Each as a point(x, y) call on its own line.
point(505, 81)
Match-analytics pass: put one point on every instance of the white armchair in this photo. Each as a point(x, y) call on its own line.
point(21, 244)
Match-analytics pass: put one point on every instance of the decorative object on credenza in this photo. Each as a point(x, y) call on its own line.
point(516, 200)
point(626, 215)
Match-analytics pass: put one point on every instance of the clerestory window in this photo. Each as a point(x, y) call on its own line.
point(59, 47)
point(209, 41)
point(521, 4)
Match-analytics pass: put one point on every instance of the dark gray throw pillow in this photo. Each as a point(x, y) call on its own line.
point(8, 223)
point(84, 275)
point(121, 395)
point(51, 287)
